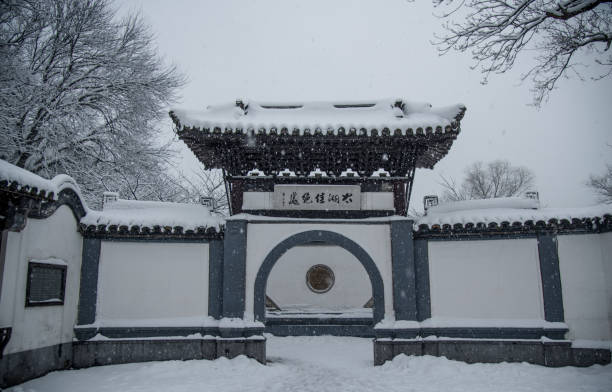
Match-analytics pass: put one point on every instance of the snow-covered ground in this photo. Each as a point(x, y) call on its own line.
point(322, 364)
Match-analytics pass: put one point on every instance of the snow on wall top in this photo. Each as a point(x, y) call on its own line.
point(511, 210)
point(138, 214)
point(387, 113)
point(485, 204)
point(29, 183)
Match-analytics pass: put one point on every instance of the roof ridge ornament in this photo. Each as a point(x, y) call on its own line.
point(242, 105)
point(400, 104)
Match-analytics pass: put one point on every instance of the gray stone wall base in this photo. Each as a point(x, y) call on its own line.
point(20, 367)
point(231, 348)
point(546, 353)
point(473, 333)
point(590, 356)
point(109, 352)
point(86, 333)
point(16, 368)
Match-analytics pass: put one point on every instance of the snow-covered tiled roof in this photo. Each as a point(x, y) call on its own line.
point(511, 212)
point(329, 117)
point(19, 180)
point(139, 217)
point(145, 217)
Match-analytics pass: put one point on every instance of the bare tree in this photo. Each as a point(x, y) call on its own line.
point(81, 93)
point(496, 179)
point(602, 185)
point(203, 183)
point(558, 31)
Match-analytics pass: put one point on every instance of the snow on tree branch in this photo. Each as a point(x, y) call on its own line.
point(81, 93)
point(560, 32)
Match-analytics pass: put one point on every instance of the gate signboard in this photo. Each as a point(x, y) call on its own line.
point(317, 197)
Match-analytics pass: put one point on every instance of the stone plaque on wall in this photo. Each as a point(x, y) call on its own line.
point(317, 197)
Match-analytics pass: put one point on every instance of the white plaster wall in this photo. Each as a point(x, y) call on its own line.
point(41, 326)
point(369, 201)
point(257, 200)
point(148, 280)
point(377, 201)
point(585, 262)
point(263, 237)
point(287, 280)
point(492, 279)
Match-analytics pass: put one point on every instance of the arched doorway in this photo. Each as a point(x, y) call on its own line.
point(331, 238)
point(318, 279)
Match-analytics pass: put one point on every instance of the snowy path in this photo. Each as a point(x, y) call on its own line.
point(322, 364)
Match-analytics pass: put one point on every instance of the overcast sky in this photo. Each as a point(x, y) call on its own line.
point(296, 50)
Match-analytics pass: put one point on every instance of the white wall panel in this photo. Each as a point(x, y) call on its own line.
point(257, 200)
point(492, 279)
point(145, 280)
point(40, 326)
point(585, 263)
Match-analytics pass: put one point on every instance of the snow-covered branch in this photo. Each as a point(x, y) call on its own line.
point(81, 93)
point(496, 32)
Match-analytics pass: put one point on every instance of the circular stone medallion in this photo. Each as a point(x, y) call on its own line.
point(320, 278)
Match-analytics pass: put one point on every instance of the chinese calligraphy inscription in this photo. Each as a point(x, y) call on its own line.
point(317, 197)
